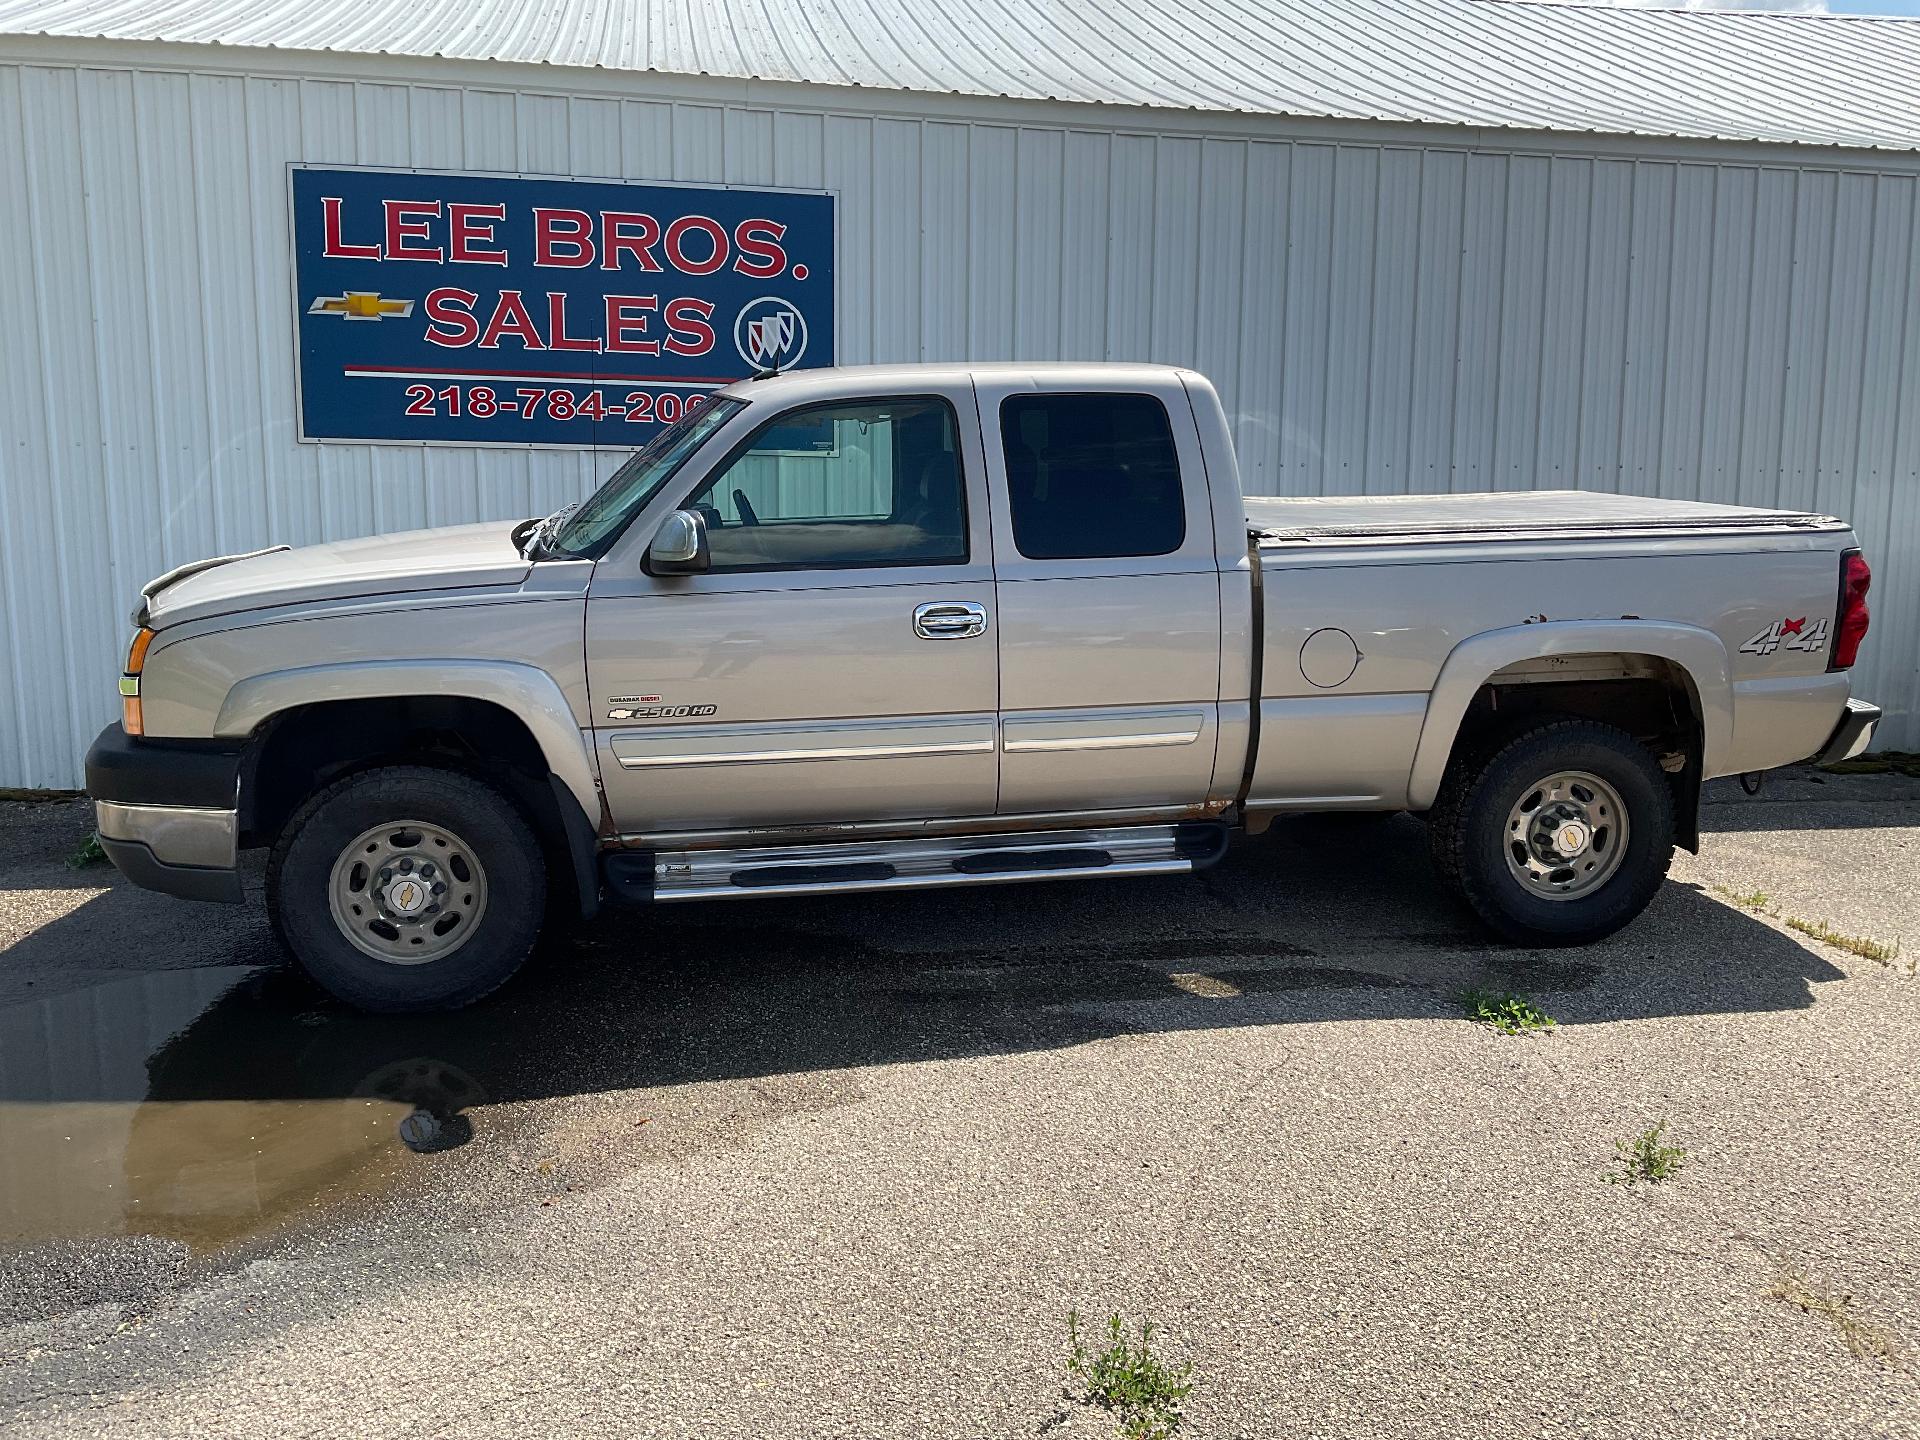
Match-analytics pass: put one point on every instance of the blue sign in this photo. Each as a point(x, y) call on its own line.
point(492, 310)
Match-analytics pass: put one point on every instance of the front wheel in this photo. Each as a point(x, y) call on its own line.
point(408, 888)
point(1559, 836)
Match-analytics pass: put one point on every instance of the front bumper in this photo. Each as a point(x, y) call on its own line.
point(1852, 735)
point(167, 813)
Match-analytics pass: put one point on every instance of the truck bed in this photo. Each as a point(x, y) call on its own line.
point(1521, 514)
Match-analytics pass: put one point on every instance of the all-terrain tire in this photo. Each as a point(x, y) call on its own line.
point(483, 824)
point(1469, 831)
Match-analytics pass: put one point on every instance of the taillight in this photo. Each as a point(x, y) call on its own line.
point(1850, 627)
point(131, 719)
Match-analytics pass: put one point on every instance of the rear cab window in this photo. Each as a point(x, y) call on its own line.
point(1092, 476)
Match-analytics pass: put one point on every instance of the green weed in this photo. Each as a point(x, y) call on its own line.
point(88, 852)
point(1145, 1394)
point(1645, 1158)
point(1746, 899)
point(1884, 951)
point(1508, 1014)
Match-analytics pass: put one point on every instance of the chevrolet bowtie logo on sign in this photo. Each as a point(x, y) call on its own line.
point(361, 305)
point(512, 310)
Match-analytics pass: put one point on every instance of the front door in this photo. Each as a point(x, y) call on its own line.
point(1109, 598)
point(836, 663)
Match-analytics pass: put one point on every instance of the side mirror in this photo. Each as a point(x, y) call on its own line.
point(680, 545)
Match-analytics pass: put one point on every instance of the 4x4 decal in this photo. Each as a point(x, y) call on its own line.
point(1788, 635)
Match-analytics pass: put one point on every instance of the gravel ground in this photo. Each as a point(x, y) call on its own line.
point(841, 1167)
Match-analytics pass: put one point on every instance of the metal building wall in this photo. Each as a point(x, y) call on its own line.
point(1383, 309)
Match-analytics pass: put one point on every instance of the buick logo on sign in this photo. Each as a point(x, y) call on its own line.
point(770, 333)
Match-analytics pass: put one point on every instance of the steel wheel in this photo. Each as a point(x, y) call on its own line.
point(1566, 836)
point(407, 892)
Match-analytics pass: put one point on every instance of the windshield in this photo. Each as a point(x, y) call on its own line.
point(606, 512)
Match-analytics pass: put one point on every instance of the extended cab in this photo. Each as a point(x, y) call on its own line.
point(955, 625)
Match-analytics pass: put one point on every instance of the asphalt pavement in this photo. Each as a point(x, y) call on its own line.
point(841, 1167)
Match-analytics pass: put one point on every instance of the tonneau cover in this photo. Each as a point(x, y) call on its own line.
point(1304, 519)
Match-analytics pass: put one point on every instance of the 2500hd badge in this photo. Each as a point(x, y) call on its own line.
point(646, 707)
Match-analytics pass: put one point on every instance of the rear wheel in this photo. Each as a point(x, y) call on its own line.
point(408, 888)
point(1558, 836)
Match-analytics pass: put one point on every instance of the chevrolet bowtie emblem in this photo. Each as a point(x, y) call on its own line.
point(361, 305)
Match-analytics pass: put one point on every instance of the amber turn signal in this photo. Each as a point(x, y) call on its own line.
point(131, 719)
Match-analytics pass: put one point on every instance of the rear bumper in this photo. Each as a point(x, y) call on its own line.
point(1852, 735)
point(168, 813)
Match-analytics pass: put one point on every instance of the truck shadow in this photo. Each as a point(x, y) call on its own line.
point(1329, 920)
point(195, 1064)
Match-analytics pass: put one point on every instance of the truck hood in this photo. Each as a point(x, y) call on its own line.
point(456, 557)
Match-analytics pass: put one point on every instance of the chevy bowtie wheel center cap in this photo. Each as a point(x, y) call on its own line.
point(1571, 839)
point(408, 896)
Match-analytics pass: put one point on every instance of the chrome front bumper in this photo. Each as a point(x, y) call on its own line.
point(1852, 735)
point(182, 850)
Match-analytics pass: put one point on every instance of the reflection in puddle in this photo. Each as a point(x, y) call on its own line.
point(190, 1106)
point(204, 1173)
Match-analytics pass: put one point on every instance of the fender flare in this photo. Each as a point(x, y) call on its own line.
point(1474, 661)
point(524, 691)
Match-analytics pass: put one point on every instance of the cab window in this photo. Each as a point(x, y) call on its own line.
point(841, 485)
point(1092, 476)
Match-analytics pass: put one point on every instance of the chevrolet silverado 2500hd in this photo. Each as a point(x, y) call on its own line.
point(926, 625)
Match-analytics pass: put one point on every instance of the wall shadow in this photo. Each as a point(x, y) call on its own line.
point(1803, 797)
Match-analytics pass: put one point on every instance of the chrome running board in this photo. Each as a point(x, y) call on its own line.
point(916, 864)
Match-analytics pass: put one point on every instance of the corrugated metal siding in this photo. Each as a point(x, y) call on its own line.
point(1378, 317)
point(1824, 80)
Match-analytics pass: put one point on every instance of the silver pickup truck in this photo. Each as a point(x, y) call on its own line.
point(874, 628)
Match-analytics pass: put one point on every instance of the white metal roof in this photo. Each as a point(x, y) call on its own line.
point(1798, 78)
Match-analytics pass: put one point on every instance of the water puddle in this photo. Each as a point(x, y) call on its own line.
point(204, 1106)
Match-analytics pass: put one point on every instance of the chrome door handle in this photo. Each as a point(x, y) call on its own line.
point(949, 620)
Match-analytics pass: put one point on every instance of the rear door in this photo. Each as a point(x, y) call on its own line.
point(1109, 597)
point(836, 664)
